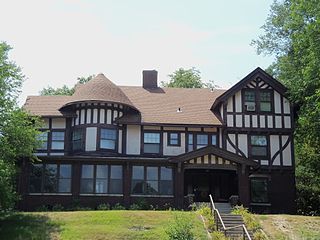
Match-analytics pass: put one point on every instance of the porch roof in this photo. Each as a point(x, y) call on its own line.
point(215, 151)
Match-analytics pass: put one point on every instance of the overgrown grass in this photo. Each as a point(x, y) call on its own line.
point(290, 226)
point(114, 224)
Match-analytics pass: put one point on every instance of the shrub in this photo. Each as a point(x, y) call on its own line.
point(118, 206)
point(248, 218)
point(180, 229)
point(42, 208)
point(134, 206)
point(57, 208)
point(103, 206)
point(218, 236)
point(205, 211)
point(258, 235)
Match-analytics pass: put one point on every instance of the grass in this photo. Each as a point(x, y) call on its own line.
point(95, 225)
point(295, 227)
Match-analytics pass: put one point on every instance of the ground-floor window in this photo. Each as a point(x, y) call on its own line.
point(101, 179)
point(149, 180)
point(50, 178)
point(259, 190)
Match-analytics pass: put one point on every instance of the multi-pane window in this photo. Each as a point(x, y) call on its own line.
point(43, 138)
point(50, 178)
point(151, 142)
point(101, 179)
point(57, 142)
point(261, 98)
point(174, 139)
point(214, 140)
point(259, 145)
point(151, 180)
point(77, 139)
point(259, 190)
point(108, 138)
point(202, 140)
point(190, 142)
point(265, 101)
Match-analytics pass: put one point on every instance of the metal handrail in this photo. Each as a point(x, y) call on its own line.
point(214, 209)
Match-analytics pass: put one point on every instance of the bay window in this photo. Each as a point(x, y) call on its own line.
point(77, 139)
point(108, 139)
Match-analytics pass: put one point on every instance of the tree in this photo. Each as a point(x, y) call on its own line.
point(292, 33)
point(65, 90)
point(185, 78)
point(18, 130)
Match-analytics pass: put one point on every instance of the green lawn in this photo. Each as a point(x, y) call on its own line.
point(94, 225)
point(280, 227)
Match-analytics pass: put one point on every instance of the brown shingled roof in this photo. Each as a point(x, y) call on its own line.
point(157, 106)
point(101, 89)
point(45, 105)
point(160, 105)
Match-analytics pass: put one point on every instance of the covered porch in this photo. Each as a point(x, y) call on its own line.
point(215, 171)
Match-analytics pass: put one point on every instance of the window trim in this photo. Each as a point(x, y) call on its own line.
point(42, 178)
point(94, 192)
point(267, 192)
point(99, 139)
point(178, 139)
point(51, 139)
point(257, 100)
point(160, 143)
point(145, 180)
point(265, 157)
point(81, 140)
point(194, 137)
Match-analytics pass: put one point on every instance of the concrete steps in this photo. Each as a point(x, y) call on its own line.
point(230, 220)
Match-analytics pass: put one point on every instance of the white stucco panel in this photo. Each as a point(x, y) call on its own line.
point(173, 150)
point(133, 139)
point(233, 140)
point(238, 102)
point(91, 139)
point(243, 143)
point(277, 102)
point(59, 123)
point(274, 147)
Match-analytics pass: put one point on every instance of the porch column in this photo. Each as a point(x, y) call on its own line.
point(243, 185)
point(179, 186)
point(127, 184)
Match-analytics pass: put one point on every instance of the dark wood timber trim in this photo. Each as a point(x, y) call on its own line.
point(216, 151)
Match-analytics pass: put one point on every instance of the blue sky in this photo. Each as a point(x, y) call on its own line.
point(57, 41)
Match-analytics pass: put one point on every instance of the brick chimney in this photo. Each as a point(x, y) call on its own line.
point(149, 79)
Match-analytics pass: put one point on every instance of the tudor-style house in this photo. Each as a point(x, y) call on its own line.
point(118, 144)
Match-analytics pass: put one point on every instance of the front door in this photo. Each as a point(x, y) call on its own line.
point(221, 184)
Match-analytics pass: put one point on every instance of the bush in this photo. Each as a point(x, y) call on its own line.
point(57, 208)
point(134, 206)
point(218, 236)
point(42, 208)
point(205, 211)
point(180, 229)
point(103, 206)
point(259, 236)
point(118, 206)
point(248, 218)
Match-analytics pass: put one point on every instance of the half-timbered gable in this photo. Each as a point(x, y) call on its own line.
point(118, 144)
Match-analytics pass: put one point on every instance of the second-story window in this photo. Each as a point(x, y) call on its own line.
point(151, 142)
point(190, 142)
point(43, 138)
point(265, 101)
point(77, 139)
point(257, 100)
point(202, 140)
point(108, 139)
point(259, 146)
point(57, 142)
point(174, 139)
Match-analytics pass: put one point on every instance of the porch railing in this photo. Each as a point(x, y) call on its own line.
point(218, 219)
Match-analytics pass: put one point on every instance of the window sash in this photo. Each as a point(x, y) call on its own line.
point(152, 138)
point(259, 190)
point(174, 139)
point(108, 138)
point(43, 137)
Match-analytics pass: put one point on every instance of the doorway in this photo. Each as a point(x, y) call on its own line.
point(221, 184)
